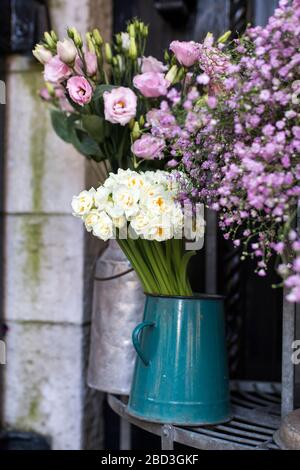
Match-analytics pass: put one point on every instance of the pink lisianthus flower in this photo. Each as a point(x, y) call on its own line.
point(151, 84)
point(78, 66)
point(64, 103)
point(80, 90)
point(151, 64)
point(186, 52)
point(119, 105)
point(56, 71)
point(44, 94)
point(148, 147)
point(91, 63)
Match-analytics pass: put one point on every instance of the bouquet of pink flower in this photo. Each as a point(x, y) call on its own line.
point(244, 160)
point(99, 91)
point(119, 107)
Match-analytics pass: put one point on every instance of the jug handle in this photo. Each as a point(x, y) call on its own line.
point(136, 343)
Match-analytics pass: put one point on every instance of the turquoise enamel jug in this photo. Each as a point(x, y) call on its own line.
point(181, 371)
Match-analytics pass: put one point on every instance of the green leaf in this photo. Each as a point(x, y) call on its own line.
point(100, 89)
point(86, 145)
point(60, 125)
point(95, 126)
point(74, 105)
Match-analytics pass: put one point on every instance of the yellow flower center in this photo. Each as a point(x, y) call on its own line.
point(120, 104)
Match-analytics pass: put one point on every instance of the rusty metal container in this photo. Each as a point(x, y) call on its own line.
point(118, 306)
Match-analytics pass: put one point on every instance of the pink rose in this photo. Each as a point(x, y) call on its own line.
point(148, 147)
point(187, 53)
point(119, 105)
point(151, 64)
point(56, 71)
point(80, 90)
point(151, 84)
point(91, 63)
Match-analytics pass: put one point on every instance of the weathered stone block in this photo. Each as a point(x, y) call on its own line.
point(43, 172)
point(45, 383)
point(44, 273)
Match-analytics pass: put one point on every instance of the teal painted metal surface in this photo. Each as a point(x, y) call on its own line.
point(181, 371)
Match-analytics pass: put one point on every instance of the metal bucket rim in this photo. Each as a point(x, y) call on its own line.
point(191, 297)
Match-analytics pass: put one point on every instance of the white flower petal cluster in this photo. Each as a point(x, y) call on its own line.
point(145, 203)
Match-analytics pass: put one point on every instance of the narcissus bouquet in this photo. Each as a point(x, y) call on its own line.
point(142, 211)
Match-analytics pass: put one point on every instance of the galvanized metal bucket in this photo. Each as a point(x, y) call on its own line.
point(181, 373)
point(118, 306)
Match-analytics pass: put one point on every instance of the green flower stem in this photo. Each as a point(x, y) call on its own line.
point(146, 249)
point(147, 285)
point(148, 265)
point(167, 272)
point(143, 265)
point(128, 255)
point(158, 266)
point(161, 266)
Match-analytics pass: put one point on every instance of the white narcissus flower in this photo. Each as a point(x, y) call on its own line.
point(114, 211)
point(104, 228)
point(150, 190)
point(101, 197)
point(140, 223)
point(177, 216)
point(160, 230)
point(91, 219)
point(131, 179)
point(119, 222)
point(127, 199)
point(110, 182)
point(160, 204)
point(83, 203)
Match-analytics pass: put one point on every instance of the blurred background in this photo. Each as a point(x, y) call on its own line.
point(46, 278)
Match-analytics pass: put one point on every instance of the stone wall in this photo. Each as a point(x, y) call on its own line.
point(48, 259)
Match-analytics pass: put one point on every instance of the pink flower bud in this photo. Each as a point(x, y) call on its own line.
point(42, 54)
point(66, 51)
point(91, 63)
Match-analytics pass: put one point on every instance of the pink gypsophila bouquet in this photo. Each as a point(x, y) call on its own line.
point(244, 161)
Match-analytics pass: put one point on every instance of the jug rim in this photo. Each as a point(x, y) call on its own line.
point(191, 297)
